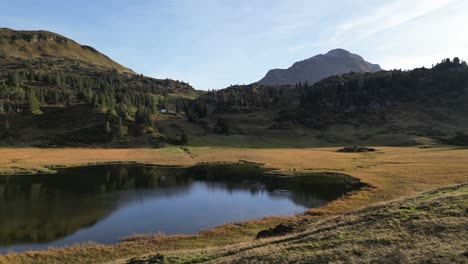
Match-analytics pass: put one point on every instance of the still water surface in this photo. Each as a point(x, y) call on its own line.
point(107, 203)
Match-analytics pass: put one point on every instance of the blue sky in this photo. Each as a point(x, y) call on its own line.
point(215, 43)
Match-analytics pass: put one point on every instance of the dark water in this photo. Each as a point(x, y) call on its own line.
point(107, 203)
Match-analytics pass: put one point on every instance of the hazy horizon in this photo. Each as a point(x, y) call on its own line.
point(213, 44)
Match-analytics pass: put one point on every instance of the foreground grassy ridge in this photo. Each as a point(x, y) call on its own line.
point(392, 172)
point(428, 228)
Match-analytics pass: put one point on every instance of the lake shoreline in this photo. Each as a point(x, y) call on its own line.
point(103, 195)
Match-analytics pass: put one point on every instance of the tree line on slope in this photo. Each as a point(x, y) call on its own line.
point(444, 83)
point(124, 98)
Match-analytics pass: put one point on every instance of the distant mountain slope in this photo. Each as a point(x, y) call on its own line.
point(337, 61)
point(34, 45)
point(386, 107)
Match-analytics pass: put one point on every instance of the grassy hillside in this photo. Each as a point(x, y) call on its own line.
point(16, 46)
point(56, 92)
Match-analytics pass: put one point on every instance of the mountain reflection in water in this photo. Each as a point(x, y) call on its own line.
point(108, 202)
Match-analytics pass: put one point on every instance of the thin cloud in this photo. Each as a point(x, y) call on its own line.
point(389, 15)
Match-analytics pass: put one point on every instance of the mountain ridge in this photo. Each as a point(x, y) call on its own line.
point(318, 67)
point(41, 44)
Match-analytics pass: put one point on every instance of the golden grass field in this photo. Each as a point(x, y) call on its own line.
point(392, 173)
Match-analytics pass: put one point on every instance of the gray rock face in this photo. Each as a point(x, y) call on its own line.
point(337, 61)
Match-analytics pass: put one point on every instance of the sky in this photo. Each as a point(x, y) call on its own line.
point(212, 44)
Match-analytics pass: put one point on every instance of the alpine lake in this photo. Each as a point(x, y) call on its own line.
point(106, 203)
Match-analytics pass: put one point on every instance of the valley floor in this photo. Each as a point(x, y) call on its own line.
point(391, 172)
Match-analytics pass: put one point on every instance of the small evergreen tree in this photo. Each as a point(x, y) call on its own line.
point(58, 80)
point(7, 126)
point(165, 104)
point(96, 101)
point(121, 136)
point(34, 105)
point(103, 102)
point(4, 94)
point(178, 106)
point(143, 116)
point(160, 103)
point(6, 133)
point(154, 106)
point(15, 79)
point(108, 128)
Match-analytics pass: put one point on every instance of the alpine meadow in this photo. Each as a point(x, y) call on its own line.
point(233, 132)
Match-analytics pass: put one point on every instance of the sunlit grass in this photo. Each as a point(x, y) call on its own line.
point(392, 173)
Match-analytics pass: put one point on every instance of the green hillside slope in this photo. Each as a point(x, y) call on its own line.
point(34, 45)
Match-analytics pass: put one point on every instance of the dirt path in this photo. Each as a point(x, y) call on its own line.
point(188, 152)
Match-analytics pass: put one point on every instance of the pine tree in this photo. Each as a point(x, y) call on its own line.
point(111, 113)
point(18, 94)
point(56, 95)
point(34, 105)
point(7, 129)
point(165, 104)
point(15, 79)
point(96, 101)
point(160, 103)
point(4, 91)
point(7, 126)
point(58, 80)
point(154, 106)
point(178, 105)
point(143, 116)
point(122, 132)
point(103, 102)
point(89, 95)
point(108, 128)
point(79, 83)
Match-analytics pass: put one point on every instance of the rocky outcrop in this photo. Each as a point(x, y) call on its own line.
point(337, 61)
